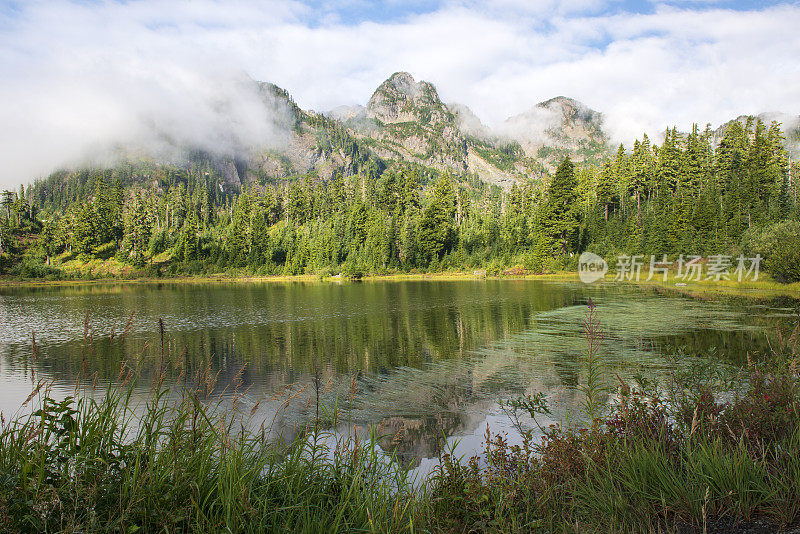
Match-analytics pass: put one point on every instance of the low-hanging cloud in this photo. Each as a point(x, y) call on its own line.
point(79, 77)
point(63, 121)
point(532, 127)
point(71, 98)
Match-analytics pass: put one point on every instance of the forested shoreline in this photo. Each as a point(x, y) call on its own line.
point(688, 195)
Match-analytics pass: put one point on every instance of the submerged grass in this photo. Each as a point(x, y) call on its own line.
point(708, 448)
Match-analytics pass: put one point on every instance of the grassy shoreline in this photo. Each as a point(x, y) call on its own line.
point(761, 289)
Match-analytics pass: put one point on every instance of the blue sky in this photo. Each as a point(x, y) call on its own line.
point(358, 11)
point(352, 12)
point(79, 74)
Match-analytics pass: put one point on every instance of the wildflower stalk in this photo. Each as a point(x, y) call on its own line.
point(596, 388)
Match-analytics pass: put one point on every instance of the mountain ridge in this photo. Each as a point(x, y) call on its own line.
point(406, 123)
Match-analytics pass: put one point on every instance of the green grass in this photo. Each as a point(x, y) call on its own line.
point(176, 464)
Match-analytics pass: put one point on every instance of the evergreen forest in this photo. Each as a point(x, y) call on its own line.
point(692, 194)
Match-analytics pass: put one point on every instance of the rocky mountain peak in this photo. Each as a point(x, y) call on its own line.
point(400, 82)
point(561, 101)
point(572, 111)
point(558, 127)
point(402, 99)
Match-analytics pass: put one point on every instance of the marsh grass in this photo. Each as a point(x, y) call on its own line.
point(87, 464)
point(188, 459)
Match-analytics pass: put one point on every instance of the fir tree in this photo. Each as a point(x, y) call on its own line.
point(436, 227)
point(191, 246)
point(85, 234)
point(560, 217)
point(607, 197)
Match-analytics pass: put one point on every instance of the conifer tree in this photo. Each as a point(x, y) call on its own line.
point(105, 210)
point(85, 234)
point(190, 238)
point(238, 237)
point(607, 196)
point(436, 227)
point(140, 230)
point(559, 221)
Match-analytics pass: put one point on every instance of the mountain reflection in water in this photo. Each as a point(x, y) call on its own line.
point(424, 362)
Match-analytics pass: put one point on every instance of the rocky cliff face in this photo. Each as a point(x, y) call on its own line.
point(317, 145)
point(401, 99)
point(415, 126)
point(404, 122)
point(468, 123)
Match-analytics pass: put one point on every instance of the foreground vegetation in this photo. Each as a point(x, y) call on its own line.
point(709, 449)
point(84, 465)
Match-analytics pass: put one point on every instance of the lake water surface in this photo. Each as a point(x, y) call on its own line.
point(424, 361)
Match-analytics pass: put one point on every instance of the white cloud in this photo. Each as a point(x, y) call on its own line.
point(79, 82)
point(78, 75)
